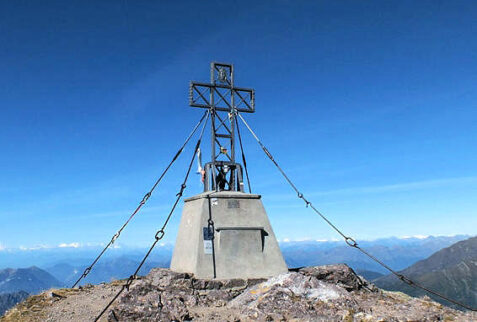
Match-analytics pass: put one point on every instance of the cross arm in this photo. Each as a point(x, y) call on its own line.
point(200, 95)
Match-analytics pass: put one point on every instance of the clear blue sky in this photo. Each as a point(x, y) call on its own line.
point(369, 105)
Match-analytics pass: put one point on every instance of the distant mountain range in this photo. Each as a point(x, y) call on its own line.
point(77, 256)
point(398, 253)
point(105, 271)
point(67, 263)
point(451, 271)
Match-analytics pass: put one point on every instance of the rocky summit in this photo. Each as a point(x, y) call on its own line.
point(322, 293)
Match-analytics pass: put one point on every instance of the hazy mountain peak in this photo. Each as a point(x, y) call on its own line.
point(30, 280)
point(451, 271)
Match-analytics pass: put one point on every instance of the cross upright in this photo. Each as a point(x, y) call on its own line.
point(224, 100)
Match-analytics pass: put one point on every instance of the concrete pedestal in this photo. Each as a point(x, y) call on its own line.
point(240, 245)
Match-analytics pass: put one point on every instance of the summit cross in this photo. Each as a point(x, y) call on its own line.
point(224, 100)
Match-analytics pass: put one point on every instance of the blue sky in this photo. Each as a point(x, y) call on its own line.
point(370, 107)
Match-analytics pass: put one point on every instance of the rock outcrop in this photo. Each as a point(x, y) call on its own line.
point(332, 292)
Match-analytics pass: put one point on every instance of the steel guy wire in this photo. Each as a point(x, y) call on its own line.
point(143, 201)
point(160, 233)
point(243, 155)
point(350, 241)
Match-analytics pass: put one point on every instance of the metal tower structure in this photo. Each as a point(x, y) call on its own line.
point(224, 100)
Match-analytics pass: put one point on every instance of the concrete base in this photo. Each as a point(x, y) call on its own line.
point(242, 244)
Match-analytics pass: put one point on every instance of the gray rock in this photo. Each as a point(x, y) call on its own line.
point(313, 293)
point(341, 274)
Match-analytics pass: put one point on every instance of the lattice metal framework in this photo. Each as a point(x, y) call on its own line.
point(223, 99)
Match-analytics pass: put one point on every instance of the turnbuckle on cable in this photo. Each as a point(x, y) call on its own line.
point(160, 233)
point(86, 271)
point(351, 242)
point(183, 186)
point(145, 198)
point(130, 281)
point(115, 237)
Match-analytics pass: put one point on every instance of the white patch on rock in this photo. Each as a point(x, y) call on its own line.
point(299, 285)
point(327, 292)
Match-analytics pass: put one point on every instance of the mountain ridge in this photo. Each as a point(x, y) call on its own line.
point(398, 253)
point(31, 280)
point(7, 300)
point(451, 271)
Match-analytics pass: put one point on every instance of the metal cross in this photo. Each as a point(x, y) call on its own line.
point(224, 100)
